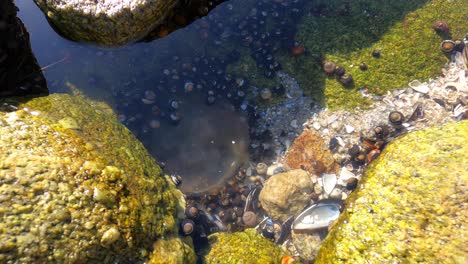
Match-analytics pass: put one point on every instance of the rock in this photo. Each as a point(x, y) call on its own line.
point(242, 247)
point(163, 251)
point(410, 204)
point(286, 194)
point(120, 22)
point(110, 236)
point(78, 196)
point(20, 73)
point(310, 153)
point(308, 245)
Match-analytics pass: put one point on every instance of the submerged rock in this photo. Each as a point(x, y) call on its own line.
point(310, 153)
point(242, 247)
point(78, 196)
point(410, 205)
point(286, 194)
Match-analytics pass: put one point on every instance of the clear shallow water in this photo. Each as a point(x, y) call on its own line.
point(209, 142)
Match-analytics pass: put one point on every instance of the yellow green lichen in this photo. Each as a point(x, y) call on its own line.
point(411, 205)
point(242, 247)
point(349, 32)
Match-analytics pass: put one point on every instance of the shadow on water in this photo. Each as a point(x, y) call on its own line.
point(193, 68)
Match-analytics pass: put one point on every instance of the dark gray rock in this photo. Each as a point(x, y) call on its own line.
point(20, 73)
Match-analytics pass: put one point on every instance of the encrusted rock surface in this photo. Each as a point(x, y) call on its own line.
point(309, 152)
point(107, 22)
point(242, 247)
point(286, 194)
point(411, 204)
point(81, 193)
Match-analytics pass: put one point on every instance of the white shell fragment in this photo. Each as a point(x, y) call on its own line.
point(329, 182)
point(419, 87)
point(349, 129)
point(317, 216)
point(345, 175)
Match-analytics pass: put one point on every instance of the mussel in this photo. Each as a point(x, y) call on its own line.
point(317, 216)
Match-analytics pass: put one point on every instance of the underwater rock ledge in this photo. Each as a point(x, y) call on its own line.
point(410, 206)
point(78, 187)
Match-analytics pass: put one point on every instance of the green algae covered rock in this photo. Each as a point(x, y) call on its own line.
point(347, 32)
point(411, 207)
point(242, 247)
point(77, 186)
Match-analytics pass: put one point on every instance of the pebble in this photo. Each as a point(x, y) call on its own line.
point(336, 193)
point(110, 236)
point(105, 197)
point(294, 124)
point(274, 169)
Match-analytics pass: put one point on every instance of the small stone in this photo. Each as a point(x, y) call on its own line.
point(70, 123)
point(274, 169)
point(88, 225)
point(336, 193)
point(294, 124)
point(105, 197)
point(266, 94)
point(344, 196)
point(316, 125)
point(110, 236)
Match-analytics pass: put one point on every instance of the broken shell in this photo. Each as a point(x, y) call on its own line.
point(346, 174)
point(419, 87)
point(349, 129)
point(329, 182)
point(317, 216)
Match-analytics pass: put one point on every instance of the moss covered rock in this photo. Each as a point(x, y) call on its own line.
point(242, 247)
point(411, 206)
point(77, 186)
point(347, 32)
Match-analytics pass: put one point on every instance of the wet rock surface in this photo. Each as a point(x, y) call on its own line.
point(244, 247)
point(20, 73)
point(286, 194)
point(410, 204)
point(87, 193)
point(120, 22)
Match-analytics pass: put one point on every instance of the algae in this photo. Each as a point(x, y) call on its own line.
point(410, 206)
point(242, 247)
point(346, 32)
point(86, 192)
